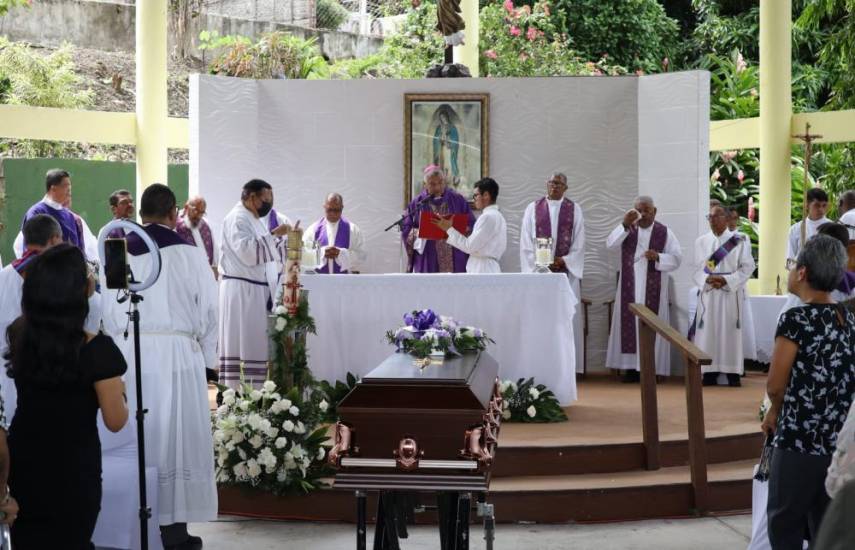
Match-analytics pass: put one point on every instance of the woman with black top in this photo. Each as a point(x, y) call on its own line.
point(63, 376)
point(811, 385)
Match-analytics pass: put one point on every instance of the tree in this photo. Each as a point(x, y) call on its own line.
point(6, 5)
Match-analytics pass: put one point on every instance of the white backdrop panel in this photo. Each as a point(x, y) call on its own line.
point(308, 138)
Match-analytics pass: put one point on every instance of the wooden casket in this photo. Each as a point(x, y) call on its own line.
point(420, 428)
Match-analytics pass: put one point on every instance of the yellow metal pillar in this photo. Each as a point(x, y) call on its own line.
point(776, 112)
point(152, 106)
point(468, 53)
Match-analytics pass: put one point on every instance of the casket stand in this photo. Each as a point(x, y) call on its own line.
point(408, 428)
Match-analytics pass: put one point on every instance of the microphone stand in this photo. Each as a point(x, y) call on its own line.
point(144, 511)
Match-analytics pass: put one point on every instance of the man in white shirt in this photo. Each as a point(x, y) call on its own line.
point(800, 232)
point(489, 237)
point(649, 251)
point(846, 211)
point(249, 258)
point(560, 219)
point(341, 241)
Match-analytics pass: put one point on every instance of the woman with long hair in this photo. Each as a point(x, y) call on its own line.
point(63, 376)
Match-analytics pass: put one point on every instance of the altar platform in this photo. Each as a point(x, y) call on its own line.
point(590, 468)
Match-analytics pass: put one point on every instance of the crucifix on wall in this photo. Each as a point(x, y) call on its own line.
point(808, 140)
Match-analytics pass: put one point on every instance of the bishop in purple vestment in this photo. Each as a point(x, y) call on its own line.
point(58, 193)
point(434, 256)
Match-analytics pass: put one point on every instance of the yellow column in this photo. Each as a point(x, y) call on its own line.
point(152, 106)
point(468, 53)
point(776, 111)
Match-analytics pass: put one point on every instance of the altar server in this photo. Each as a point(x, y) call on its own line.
point(434, 256)
point(723, 264)
point(249, 258)
point(648, 252)
point(178, 336)
point(57, 204)
point(560, 219)
point(41, 232)
point(341, 241)
point(489, 237)
point(193, 228)
point(817, 207)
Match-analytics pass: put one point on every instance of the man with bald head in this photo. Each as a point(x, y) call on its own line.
point(341, 242)
point(723, 265)
point(648, 252)
point(193, 228)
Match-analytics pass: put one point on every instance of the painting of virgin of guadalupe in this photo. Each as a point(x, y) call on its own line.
point(449, 131)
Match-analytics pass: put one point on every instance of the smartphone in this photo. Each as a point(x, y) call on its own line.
point(116, 263)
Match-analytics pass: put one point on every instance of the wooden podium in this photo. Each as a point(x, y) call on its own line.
point(407, 428)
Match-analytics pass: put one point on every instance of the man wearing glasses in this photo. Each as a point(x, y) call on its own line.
point(723, 265)
point(193, 228)
point(557, 217)
point(341, 241)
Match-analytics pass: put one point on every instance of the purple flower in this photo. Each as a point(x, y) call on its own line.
point(421, 320)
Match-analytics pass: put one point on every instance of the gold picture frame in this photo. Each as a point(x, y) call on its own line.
point(450, 130)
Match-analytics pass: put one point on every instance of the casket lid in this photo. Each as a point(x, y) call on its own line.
point(401, 368)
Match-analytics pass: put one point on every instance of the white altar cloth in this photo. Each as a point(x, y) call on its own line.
point(529, 315)
point(766, 310)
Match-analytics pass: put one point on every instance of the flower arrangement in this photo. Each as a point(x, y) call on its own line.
point(269, 441)
point(426, 333)
point(525, 401)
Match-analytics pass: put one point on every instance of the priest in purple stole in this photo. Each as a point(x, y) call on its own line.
point(434, 256)
point(193, 228)
point(340, 240)
point(560, 219)
point(648, 252)
point(58, 193)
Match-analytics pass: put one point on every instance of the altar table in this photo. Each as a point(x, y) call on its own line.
point(529, 315)
point(766, 310)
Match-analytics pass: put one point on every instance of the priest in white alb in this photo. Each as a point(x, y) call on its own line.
point(250, 260)
point(340, 240)
point(648, 252)
point(560, 219)
point(178, 341)
point(723, 264)
point(489, 237)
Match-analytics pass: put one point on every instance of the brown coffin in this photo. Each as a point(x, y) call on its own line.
point(404, 425)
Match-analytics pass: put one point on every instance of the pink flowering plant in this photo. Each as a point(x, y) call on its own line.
point(526, 41)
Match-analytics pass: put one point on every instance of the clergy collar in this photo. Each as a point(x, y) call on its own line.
point(492, 206)
point(52, 203)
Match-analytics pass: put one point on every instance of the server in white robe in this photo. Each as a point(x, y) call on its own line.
point(340, 240)
point(846, 211)
point(649, 252)
point(560, 219)
point(178, 337)
point(489, 237)
point(749, 340)
point(41, 232)
point(723, 264)
point(249, 258)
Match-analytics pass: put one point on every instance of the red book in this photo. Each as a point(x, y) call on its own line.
point(427, 230)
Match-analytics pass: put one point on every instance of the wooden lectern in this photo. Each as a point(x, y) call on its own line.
point(407, 428)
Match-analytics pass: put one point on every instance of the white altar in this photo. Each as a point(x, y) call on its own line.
point(528, 316)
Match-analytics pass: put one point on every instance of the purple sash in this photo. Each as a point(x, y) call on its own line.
point(653, 289)
point(342, 240)
point(722, 253)
point(566, 219)
point(272, 220)
point(186, 233)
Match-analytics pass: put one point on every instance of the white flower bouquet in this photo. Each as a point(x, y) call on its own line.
point(525, 401)
point(269, 441)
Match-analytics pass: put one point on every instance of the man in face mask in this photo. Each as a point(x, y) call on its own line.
point(249, 258)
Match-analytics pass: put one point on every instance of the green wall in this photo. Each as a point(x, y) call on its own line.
point(92, 182)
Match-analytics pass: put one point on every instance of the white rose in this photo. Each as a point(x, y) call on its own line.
point(254, 421)
point(275, 396)
point(267, 457)
point(222, 410)
point(237, 437)
point(298, 451)
point(300, 429)
point(503, 387)
point(506, 414)
point(533, 393)
point(256, 441)
point(219, 436)
point(244, 405)
point(280, 310)
point(252, 468)
point(255, 395)
point(288, 426)
point(272, 432)
point(294, 411)
point(321, 453)
point(230, 446)
point(323, 405)
point(281, 443)
point(282, 475)
point(264, 425)
point(229, 394)
point(269, 386)
point(531, 411)
point(280, 324)
point(285, 404)
point(240, 470)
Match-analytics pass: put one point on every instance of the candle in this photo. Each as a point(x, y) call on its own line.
point(543, 256)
